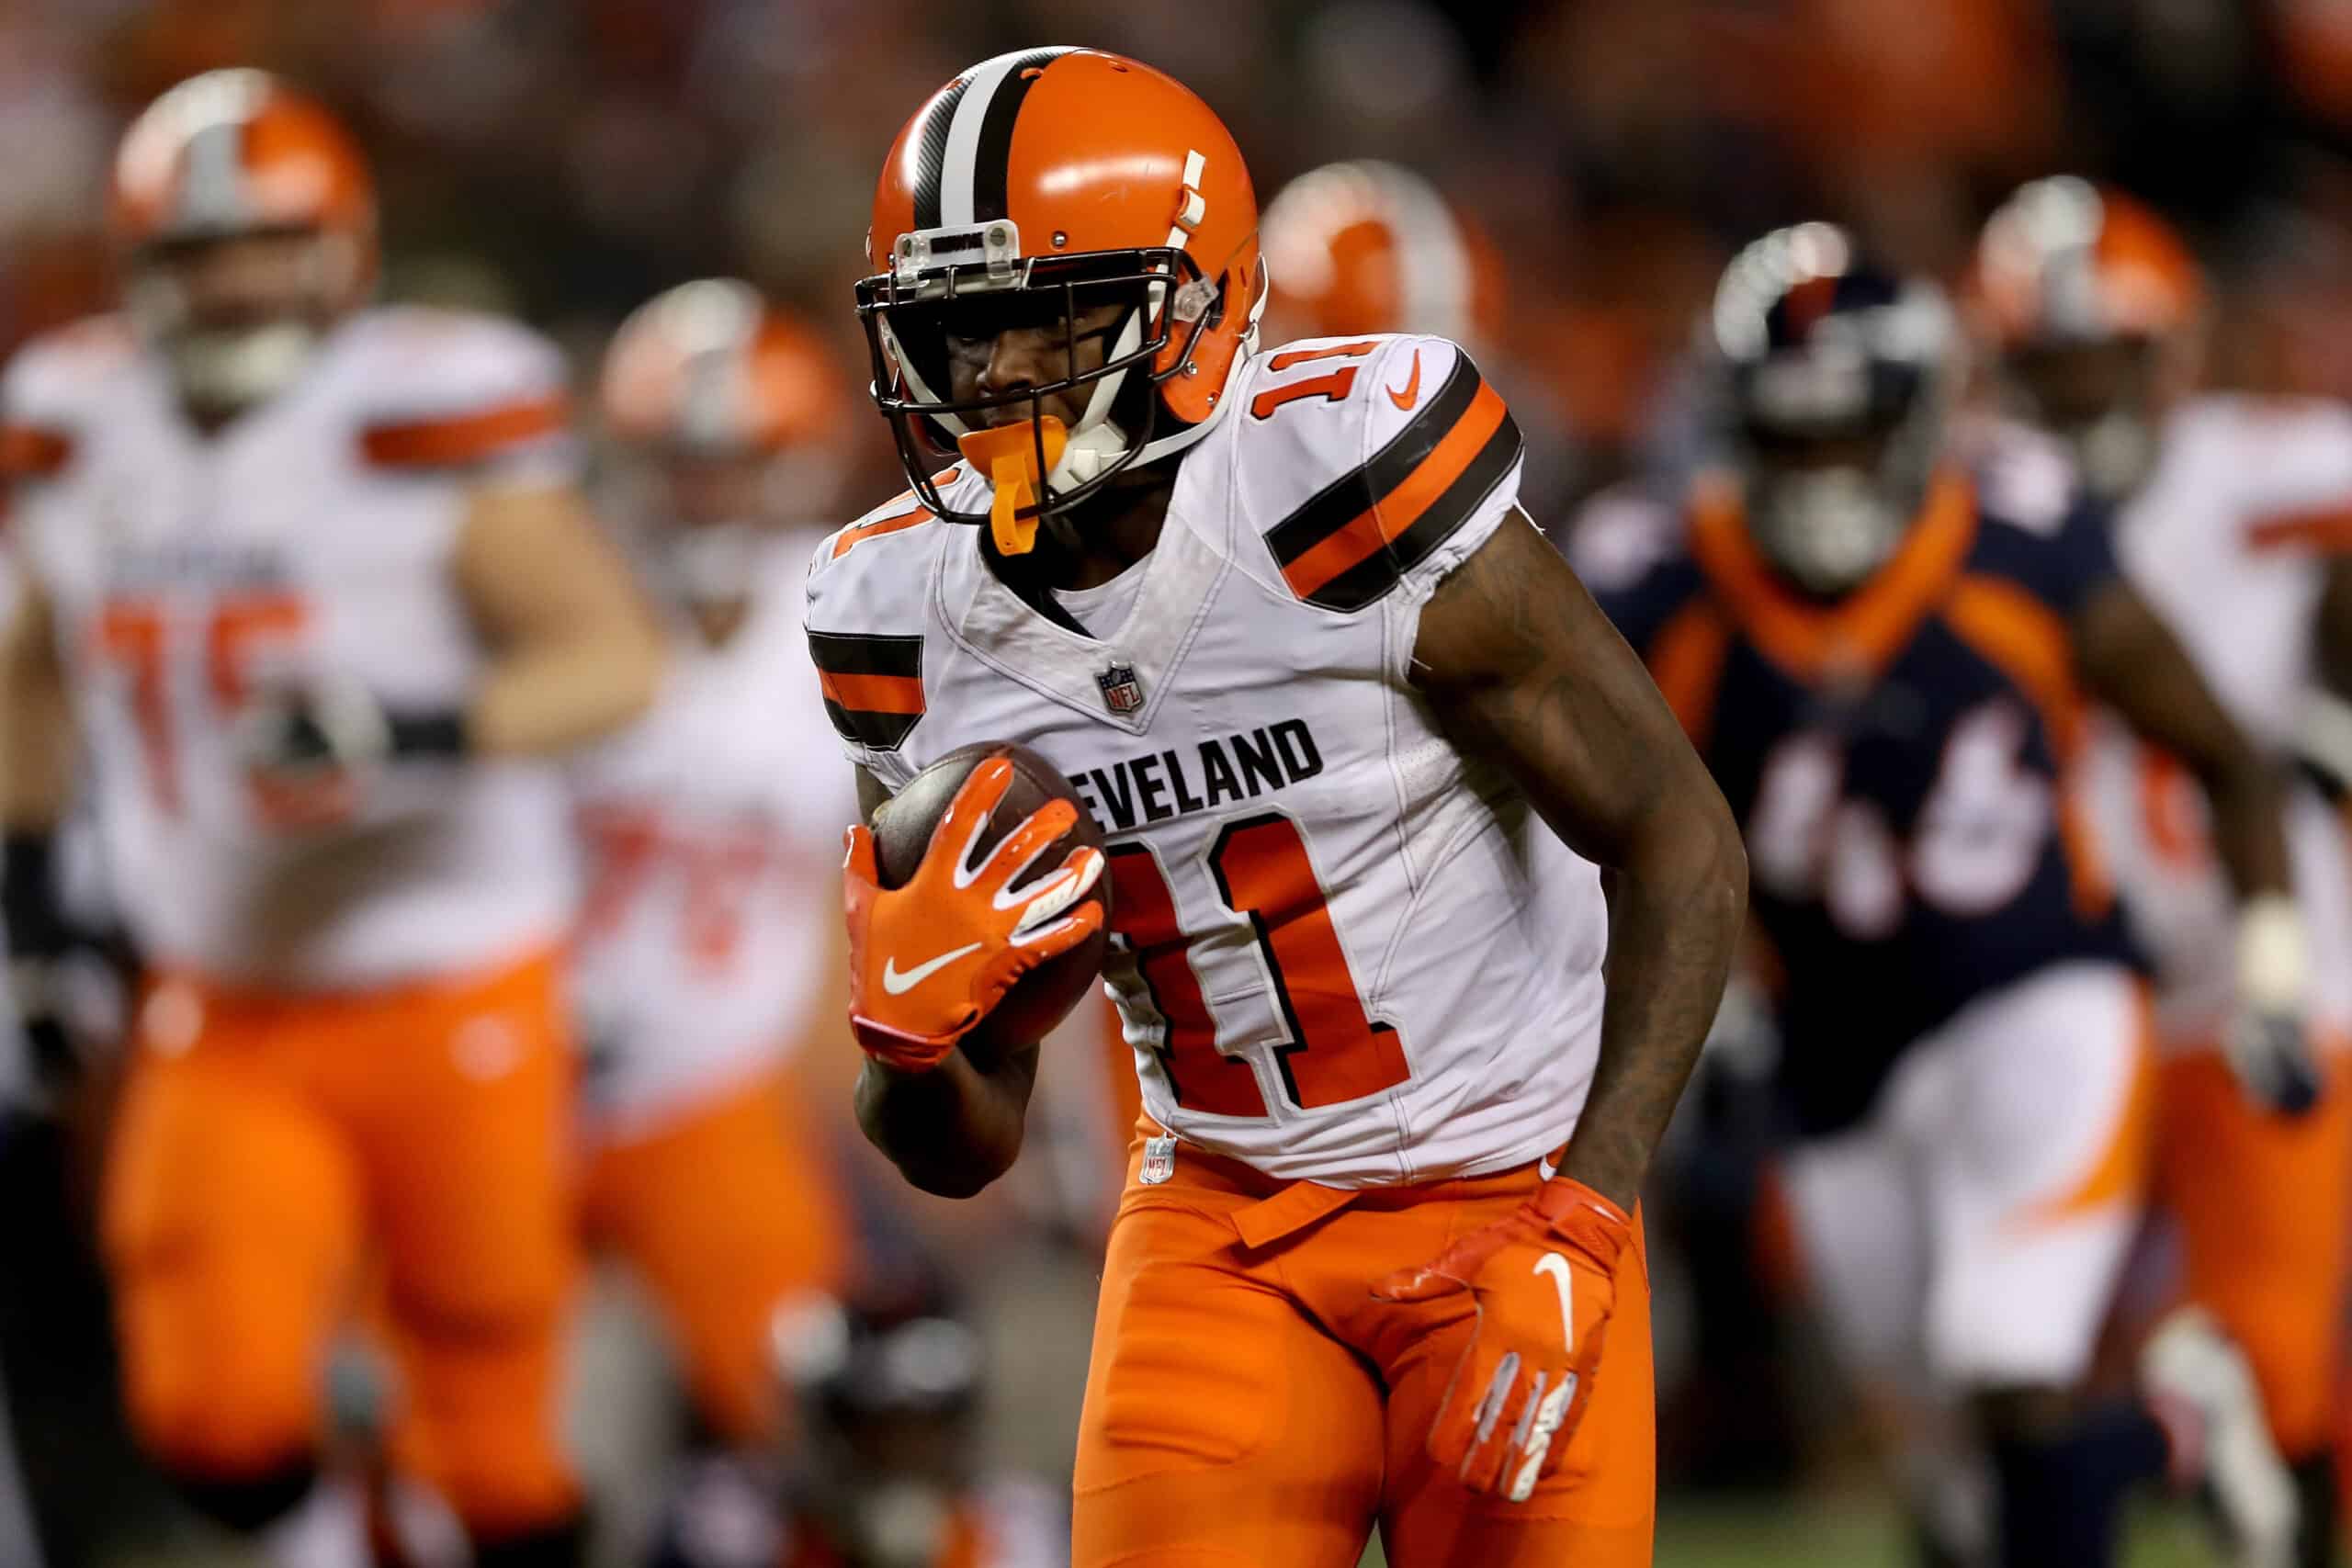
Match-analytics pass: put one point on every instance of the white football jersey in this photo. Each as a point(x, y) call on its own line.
point(712, 837)
point(2229, 540)
point(1343, 951)
point(311, 539)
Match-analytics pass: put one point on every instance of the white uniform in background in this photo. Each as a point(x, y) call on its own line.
point(1345, 953)
point(311, 539)
point(2230, 541)
point(712, 831)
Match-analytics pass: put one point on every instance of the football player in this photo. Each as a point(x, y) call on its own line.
point(709, 934)
point(1330, 697)
point(2232, 521)
point(1882, 657)
point(314, 582)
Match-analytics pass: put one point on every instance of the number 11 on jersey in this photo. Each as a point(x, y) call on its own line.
point(1336, 1051)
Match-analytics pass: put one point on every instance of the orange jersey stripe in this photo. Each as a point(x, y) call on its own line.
point(463, 438)
point(28, 451)
point(1370, 530)
point(2326, 531)
point(852, 538)
point(874, 694)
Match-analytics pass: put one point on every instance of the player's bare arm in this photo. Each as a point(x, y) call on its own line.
point(1527, 672)
point(36, 722)
point(2325, 742)
point(576, 651)
point(2130, 660)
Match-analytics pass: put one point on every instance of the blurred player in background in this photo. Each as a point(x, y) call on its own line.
point(888, 1472)
point(2235, 521)
point(1878, 654)
point(314, 580)
point(1366, 247)
point(709, 937)
point(1325, 689)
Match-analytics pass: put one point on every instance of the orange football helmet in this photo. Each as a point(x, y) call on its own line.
point(1372, 247)
point(234, 155)
point(1033, 186)
point(724, 407)
point(2092, 305)
point(710, 366)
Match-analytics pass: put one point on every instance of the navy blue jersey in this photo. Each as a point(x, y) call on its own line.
point(1898, 761)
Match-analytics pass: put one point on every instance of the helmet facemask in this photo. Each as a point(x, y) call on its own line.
point(2104, 398)
point(1128, 320)
point(238, 317)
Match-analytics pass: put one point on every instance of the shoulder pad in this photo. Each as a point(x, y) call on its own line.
point(447, 388)
point(1362, 456)
point(50, 393)
point(2025, 479)
point(866, 590)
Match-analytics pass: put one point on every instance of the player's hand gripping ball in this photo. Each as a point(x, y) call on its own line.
point(1544, 1283)
point(966, 925)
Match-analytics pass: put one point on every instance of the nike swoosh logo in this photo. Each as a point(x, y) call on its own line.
point(899, 982)
point(1552, 1263)
point(1545, 1168)
point(1411, 392)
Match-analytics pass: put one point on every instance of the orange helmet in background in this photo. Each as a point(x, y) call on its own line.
point(712, 368)
point(2092, 305)
point(1042, 183)
point(232, 156)
point(2064, 260)
point(725, 409)
point(1372, 247)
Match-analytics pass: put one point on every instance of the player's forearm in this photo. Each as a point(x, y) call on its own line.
point(1675, 921)
point(950, 1130)
point(2248, 798)
point(553, 697)
point(36, 747)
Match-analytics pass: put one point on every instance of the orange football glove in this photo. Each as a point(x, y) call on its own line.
point(928, 960)
point(1545, 1281)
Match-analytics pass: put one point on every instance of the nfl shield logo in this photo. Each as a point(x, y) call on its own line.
point(1122, 693)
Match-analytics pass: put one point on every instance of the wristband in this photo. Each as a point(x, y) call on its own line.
point(2274, 960)
point(29, 903)
point(427, 737)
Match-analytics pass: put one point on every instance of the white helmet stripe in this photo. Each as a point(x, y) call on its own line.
point(957, 172)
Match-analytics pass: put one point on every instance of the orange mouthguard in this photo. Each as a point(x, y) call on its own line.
point(1008, 455)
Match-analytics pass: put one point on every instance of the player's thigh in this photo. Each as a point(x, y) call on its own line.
point(2265, 1209)
point(724, 1213)
point(1858, 1211)
point(1222, 1428)
point(2037, 1151)
point(466, 1115)
point(1597, 1511)
point(232, 1220)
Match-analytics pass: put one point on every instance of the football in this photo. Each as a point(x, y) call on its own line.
point(902, 828)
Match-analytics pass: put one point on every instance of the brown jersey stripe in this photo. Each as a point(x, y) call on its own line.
point(463, 438)
point(864, 653)
point(32, 452)
point(1363, 559)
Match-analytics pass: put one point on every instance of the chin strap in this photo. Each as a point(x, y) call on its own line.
point(1008, 455)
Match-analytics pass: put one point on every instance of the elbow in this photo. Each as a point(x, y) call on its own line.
point(961, 1179)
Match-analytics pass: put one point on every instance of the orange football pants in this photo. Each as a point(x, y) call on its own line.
point(723, 1212)
point(1250, 1404)
point(267, 1142)
point(2265, 1208)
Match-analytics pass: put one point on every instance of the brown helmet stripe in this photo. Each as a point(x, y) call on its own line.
point(992, 153)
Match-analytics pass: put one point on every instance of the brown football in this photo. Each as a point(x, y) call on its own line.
point(902, 828)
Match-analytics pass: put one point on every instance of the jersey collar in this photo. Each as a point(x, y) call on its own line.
point(1006, 632)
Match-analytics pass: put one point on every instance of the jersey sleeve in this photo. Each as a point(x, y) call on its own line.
point(863, 615)
point(475, 395)
point(48, 397)
point(1376, 466)
point(2039, 525)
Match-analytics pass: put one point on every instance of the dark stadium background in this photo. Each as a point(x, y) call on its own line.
point(563, 159)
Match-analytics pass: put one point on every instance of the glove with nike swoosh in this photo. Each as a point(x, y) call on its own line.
point(1544, 1283)
point(929, 959)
